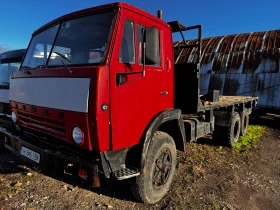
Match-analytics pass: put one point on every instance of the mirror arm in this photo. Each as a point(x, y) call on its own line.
point(127, 73)
point(120, 76)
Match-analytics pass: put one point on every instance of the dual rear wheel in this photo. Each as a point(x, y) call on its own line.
point(238, 126)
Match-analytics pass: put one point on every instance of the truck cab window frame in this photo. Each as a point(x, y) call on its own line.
point(74, 39)
point(127, 49)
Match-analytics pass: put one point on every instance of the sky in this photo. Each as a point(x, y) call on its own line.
point(20, 18)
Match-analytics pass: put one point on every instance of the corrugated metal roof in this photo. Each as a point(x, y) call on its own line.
point(239, 64)
point(228, 53)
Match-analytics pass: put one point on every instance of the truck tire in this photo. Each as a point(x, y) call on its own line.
point(153, 183)
point(244, 122)
point(232, 132)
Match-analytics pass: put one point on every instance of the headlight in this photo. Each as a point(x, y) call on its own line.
point(14, 117)
point(77, 135)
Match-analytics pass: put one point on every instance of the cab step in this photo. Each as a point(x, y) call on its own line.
point(126, 173)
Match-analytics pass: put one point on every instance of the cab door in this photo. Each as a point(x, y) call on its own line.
point(135, 98)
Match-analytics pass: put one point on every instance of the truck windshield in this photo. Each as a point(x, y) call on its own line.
point(6, 69)
point(80, 41)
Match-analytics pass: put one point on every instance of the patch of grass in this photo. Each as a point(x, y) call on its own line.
point(213, 206)
point(176, 204)
point(219, 148)
point(250, 139)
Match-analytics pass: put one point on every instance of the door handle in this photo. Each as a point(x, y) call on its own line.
point(163, 93)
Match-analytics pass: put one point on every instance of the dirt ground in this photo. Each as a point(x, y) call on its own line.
point(207, 177)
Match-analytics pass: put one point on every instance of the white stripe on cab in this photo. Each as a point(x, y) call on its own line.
point(69, 94)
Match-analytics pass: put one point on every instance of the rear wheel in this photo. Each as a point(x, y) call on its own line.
point(228, 136)
point(244, 122)
point(160, 164)
point(233, 131)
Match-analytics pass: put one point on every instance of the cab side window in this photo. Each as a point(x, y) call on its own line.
point(127, 52)
point(140, 40)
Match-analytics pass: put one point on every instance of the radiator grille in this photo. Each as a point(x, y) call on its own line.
point(42, 122)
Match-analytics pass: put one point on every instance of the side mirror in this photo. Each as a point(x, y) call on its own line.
point(151, 40)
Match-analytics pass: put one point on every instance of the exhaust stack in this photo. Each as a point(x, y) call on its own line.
point(159, 14)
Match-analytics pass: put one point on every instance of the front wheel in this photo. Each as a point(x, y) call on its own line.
point(151, 185)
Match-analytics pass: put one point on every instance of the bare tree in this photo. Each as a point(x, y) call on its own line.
point(3, 48)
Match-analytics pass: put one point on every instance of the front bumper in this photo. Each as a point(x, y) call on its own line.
point(50, 160)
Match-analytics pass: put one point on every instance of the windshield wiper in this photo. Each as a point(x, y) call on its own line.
point(64, 57)
point(61, 55)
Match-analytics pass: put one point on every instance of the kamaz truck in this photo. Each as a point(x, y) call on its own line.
point(122, 116)
point(9, 62)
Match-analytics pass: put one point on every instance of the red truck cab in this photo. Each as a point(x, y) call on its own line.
point(111, 114)
point(96, 91)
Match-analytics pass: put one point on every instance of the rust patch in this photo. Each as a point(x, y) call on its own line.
point(252, 61)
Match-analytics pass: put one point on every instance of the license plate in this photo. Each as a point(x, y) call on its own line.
point(30, 154)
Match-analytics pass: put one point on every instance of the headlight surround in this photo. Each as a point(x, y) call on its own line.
point(14, 117)
point(77, 135)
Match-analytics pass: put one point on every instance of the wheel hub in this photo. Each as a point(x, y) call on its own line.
point(162, 168)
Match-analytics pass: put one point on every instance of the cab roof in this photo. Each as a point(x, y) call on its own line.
point(100, 8)
point(19, 53)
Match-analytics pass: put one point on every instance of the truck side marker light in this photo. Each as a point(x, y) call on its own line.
point(104, 107)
